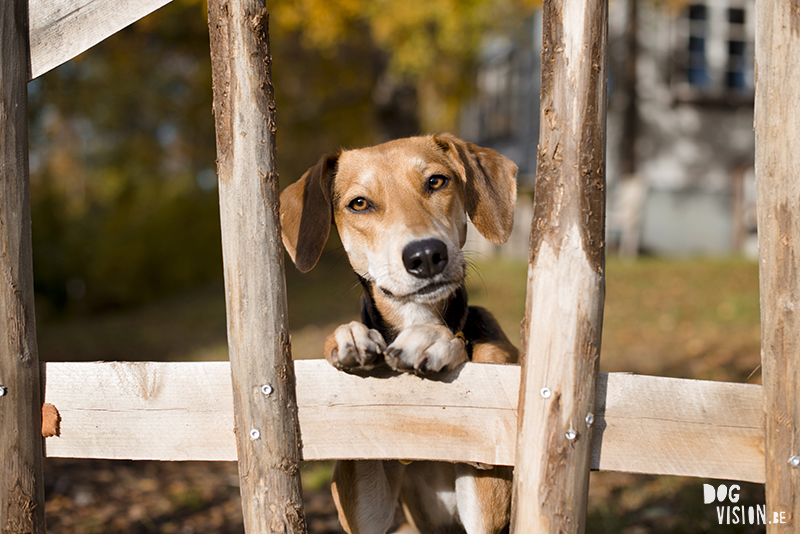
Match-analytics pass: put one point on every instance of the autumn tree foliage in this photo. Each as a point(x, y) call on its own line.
point(122, 140)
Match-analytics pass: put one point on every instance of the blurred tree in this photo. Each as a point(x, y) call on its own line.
point(122, 144)
point(424, 49)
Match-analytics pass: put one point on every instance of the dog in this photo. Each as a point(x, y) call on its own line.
point(401, 211)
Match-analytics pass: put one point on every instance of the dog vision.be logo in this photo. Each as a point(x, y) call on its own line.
point(729, 513)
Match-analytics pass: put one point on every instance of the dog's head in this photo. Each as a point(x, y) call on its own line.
point(401, 211)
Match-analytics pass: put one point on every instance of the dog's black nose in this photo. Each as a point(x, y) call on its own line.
point(425, 258)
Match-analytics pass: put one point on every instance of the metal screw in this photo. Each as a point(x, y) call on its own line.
point(266, 389)
point(545, 393)
point(255, 434)
point(3, 391)
point(571, 435)
point(589, 419)
point(794, 461)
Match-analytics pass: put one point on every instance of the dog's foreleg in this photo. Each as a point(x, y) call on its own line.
point(484, 498)
point(366, 493)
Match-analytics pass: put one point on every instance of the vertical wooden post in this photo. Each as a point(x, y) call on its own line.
point(566, 287)
point(21, 489)
point(265, 407)
point(777, 126)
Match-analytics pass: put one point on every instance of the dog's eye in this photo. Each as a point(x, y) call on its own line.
point(437, 181)
point(358, 204)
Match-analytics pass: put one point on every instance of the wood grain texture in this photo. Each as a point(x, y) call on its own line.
point(777, 126)
point(62, 29)
point(142, 411)
point(668, 426)
point(184, 411)
point(21, 483)
point(255, 287)
point(566, 281)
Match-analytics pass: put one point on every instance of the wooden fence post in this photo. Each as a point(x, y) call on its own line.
point(265, 407)
point(21, 489)
point(566, 287)
point(777, 126)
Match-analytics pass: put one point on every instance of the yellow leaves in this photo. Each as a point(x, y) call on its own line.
point(323, 23)
point(417, 35)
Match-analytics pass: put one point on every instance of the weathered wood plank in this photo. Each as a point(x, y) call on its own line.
point(184, 411)
point(777, 127)
point(21, 483)
point(62, 29)
point(666, 426)
point(142, 411)
point(264, 402)
point(566, 274)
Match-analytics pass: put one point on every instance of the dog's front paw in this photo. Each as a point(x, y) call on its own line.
point(426, 348)
point(353, 345)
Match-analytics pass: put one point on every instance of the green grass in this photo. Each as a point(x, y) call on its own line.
point(691, 318)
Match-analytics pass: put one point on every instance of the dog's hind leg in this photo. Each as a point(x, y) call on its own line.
point(484, 498)
point(366, 493)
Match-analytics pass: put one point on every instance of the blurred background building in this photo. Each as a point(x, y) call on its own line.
point(680, 125)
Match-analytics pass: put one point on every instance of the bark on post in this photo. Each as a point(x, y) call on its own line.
point(777, 126)
point(21, 488)
point(566, 287)
point(265, 407)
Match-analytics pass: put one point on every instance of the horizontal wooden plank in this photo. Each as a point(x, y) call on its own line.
point(160, 411)
point(183, 411)
point(656, 425)
point(62, 29)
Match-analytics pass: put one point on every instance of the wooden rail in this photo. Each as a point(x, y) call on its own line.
point(184, 411)
point(62, 29)
point(172, 411)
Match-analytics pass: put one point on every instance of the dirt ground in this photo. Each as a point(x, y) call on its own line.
point(120, 497)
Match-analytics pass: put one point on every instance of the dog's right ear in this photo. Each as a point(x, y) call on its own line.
point(306, 213)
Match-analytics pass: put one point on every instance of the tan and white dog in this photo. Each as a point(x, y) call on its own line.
point(401, 210)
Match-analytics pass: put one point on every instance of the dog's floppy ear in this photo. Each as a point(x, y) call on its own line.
point(306, 213)
point(490, 186)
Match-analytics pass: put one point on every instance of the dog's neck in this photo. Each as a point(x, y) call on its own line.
point(389, 318)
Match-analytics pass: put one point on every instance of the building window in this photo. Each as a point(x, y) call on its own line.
point(713, 51)
point(696, 64)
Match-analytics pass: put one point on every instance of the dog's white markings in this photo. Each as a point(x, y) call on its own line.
point(469, 507)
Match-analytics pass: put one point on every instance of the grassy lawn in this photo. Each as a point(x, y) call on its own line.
point(691, 318)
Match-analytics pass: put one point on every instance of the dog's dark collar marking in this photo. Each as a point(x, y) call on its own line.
point(455, 314)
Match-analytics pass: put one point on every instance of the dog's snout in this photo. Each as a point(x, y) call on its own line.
point(425, 258)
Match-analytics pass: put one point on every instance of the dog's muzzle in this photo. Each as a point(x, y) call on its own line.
point(425, 258)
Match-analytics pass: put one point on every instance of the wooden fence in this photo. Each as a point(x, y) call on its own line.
point(554, 418)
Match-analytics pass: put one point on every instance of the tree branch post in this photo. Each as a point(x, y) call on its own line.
point(566, 274)
point(265, 407)
point(21, 482)
point(777, 126)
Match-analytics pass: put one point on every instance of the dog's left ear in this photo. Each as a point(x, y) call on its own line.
point(306, 213)
point(490, 186)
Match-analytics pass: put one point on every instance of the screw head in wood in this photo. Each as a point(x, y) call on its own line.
point(255, 434)
point(545, 393)
point(266, 389)
point(3, 391)
point(571, 435)
point(794, 461)
point(589, 419)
